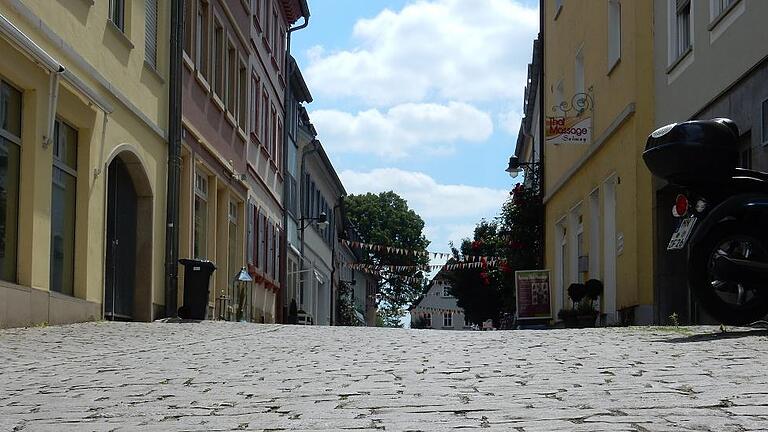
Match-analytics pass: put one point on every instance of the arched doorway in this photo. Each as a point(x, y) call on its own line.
point(128, 269)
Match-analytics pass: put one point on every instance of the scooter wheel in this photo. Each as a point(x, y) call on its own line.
point(728, 302)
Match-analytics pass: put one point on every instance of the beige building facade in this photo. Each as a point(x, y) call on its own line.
point(83, 158)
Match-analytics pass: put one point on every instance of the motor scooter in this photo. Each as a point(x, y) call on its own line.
point(722, 213)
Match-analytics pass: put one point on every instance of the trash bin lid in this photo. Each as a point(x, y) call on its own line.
point(207, 264)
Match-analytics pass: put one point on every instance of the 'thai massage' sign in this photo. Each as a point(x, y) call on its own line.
point(569, 130)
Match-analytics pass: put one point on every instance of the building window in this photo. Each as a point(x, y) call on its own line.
point(719, 7)
point(117, 13)
point(278, 147)
point(255, 100)
point(267, 32)
point(682, 29)
point(200, 234)
point(150, 39)
point(242, 90)
point(272, 132)
point(446, 291)
point(218, 60)
point(188, 15)
point(466, 321)
point(614, 32)
point(265, 119)
point(764, 122)
point(201, 38)
point(578, 83)
point(234, 264)
point(63, 204)
point(447, 319)
point(428, 318)
point(230, 101)
point(10, 154)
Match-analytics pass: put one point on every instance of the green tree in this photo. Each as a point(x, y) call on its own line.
point(484, 293)
point(386, 219)
point(516, 236)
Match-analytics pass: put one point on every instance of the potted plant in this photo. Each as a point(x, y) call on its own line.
point(583, 312)
point(588, 312)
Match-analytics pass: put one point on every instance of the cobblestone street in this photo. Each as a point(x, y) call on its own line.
point(230, 376)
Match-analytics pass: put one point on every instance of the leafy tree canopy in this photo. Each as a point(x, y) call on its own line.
point(386, 219)
point(516, 236)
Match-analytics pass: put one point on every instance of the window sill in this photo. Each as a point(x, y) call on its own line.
point(153, 70)
point(121, 36)
point(612, 66)
point(722, 15)
point(266, 44)
point(679, 59)
point(219, 104)
point(257, 24)
point(202, 81)
point(241, 133)
point(273, 60)
point(88, 2)
point(187, 61)
point(264, 151)
point(231, 120)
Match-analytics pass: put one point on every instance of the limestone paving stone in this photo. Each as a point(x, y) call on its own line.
point(214, 376)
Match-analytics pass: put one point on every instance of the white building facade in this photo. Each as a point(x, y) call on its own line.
point(438, 309)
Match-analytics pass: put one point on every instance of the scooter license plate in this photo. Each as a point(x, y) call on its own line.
point(680, 237)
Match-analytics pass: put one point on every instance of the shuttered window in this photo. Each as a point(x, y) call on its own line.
point(150, 51)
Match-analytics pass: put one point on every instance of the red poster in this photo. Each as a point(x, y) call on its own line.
point(533, 294)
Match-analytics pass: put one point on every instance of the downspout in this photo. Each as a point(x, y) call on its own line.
point(542, 125)
point(287, 67)
point(174, 159)
point(333, 259)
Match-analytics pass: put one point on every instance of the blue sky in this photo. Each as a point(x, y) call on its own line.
point(422, 97)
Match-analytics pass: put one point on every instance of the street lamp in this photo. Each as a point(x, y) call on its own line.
point(516, 167)
point(322, 221)
point(240, 285)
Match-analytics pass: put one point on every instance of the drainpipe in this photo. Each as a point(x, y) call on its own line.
point(174, 159)
point(286, 101)
point(333, 259)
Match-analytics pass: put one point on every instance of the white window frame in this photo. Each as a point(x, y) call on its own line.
point(151, 47)
point(447, 319)
point(675, 54)
point(614, 33)
point(578, 68)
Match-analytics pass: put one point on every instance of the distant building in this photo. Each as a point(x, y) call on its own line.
point(438, 309)
point(709, 63)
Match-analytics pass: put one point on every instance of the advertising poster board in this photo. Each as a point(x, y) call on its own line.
point(533, 296)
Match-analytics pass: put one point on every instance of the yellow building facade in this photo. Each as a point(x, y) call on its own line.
point(598, 193)
point(83, 156)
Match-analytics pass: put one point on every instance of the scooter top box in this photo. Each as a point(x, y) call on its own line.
point(692, 150)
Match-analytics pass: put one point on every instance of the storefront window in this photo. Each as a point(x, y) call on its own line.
point(10, 152)
point(200, 235)
point(63, 204)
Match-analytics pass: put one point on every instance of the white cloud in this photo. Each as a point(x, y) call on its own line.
point(447, 49)
point(445, 208)
point(426, 196)
point(401, 129)
point(510, 121)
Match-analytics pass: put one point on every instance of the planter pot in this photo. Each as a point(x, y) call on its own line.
point(586, 321)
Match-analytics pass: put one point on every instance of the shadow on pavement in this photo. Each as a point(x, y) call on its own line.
point(717, 336)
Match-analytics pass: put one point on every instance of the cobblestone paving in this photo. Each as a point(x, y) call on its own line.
point(231, 376)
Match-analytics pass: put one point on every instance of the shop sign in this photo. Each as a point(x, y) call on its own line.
point(569, 130)
point(533, 295)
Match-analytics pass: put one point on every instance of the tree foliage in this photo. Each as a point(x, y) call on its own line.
point(516, 236)
point(386, 219)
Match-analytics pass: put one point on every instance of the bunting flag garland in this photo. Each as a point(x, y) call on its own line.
point(409, 252)
point(484, 264)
